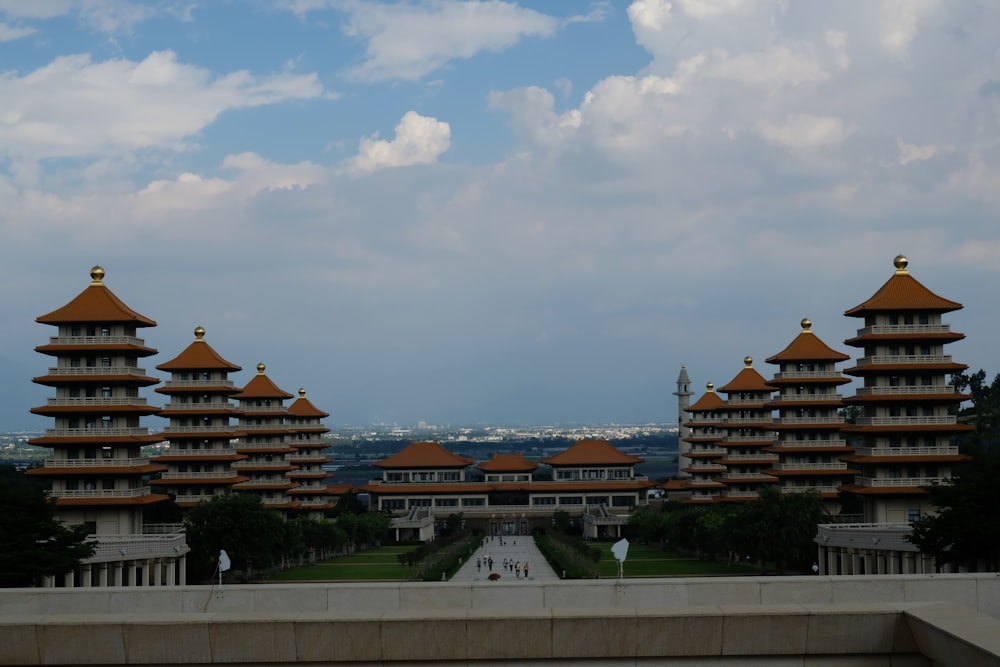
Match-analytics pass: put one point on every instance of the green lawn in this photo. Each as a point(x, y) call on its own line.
point(376, 565)
point(650, 561)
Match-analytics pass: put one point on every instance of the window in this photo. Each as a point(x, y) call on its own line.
point(105, 392)
point(473, 502)
point(105, 362)
point(913, 516)
point(393, 504)
point(549, 500)
point(107, 453)
point(446, 502)
point(105, 331)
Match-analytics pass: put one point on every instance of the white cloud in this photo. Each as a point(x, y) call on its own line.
point(805, 131)
point(900, 20)
point(110, 16)
point(407, 41)
point(649, 14)
point(418, 140)
point(710, 9)
point(76, 107)
point(909, 153)
point(10, 33)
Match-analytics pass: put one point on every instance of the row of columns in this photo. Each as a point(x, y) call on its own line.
point(855, 560)
point(167, 571)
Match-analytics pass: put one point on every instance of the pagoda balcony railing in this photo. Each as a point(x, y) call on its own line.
point(222, 474)
point(238, 465)
point(708, 450)
point(96, 463)
point(96, 340)
point(808, 375)
point(904, 329)
point(194, 497)
point(769, 437)
point(809, 420)
point(173, 451)
point(250, 408)
point(896, 359)
point(810, 443)
point(219, 429)
point(98, 370)
point(262, 482)
point(826, 465)
point(758, 458)
point(806, 489)
point(750, 475)
point(274, 501)
point(705, 468)
point(764, 420)
point(95, 401)
point(905, 391)
point(898, 481)
point(276, 426)
point(320, 502)
point(137, 492)
point(807, 397)
point(747, 401)
point(316, 458)
point(310, 442)
point(197, 383)
point(907, 421)
point(263, 444)
point(733, 493)
point(940, 450)
point(96, 432)
point(190, 407)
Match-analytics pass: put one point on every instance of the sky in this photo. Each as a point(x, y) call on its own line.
point(465, 212)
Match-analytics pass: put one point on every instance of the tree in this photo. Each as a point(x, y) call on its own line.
point(966, 529)
point(985, 411)
point(252, 535)
point(34, 543)
point(778, 528)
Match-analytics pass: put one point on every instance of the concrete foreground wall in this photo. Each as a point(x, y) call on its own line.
point(916, 621)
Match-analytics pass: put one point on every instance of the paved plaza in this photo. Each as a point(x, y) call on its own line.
point(515, 548)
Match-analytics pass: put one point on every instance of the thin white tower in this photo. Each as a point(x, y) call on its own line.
point(683, 395)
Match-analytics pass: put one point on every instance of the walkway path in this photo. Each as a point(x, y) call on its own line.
point(515, 547)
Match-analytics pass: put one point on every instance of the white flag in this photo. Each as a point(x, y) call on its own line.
point(223, 560)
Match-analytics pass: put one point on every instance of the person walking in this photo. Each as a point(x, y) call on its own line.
point(526, 569)
point(517, 569)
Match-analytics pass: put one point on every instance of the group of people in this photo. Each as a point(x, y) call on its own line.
point(509, 565)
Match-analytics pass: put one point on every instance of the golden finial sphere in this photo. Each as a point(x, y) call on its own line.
point(900, 262)
point(710, 386)
point(806, 324)
point(748, 361)
point(302, 392)
point(97, 275)
point(261, 368)
point(199, 333)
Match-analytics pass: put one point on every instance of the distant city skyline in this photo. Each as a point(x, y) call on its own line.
point(460, 211)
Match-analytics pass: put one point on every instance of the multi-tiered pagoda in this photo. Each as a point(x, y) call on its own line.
point(904, 436)
point(749, 432)
point(305, 423)
point(809, 444)
point(199, 461)
point(700, 462)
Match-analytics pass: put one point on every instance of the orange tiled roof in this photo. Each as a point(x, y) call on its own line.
point(807, 346)
point(198, 355)
point(508, 463)
point(424, 455)
point(903, 292)
point(303, 407)
point(96, 304)
point(747, 380)
point(709, 402)
point(136, 500)
point(260, 386)
point(591, 452)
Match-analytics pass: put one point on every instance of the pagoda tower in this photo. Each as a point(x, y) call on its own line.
point(98, 474)
point(809, 444)
point(306, 437)
point(701, 460)
point(904, 436)
point(266, 443)
point(683, 395)
point(749, 433)
point(201, 431)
